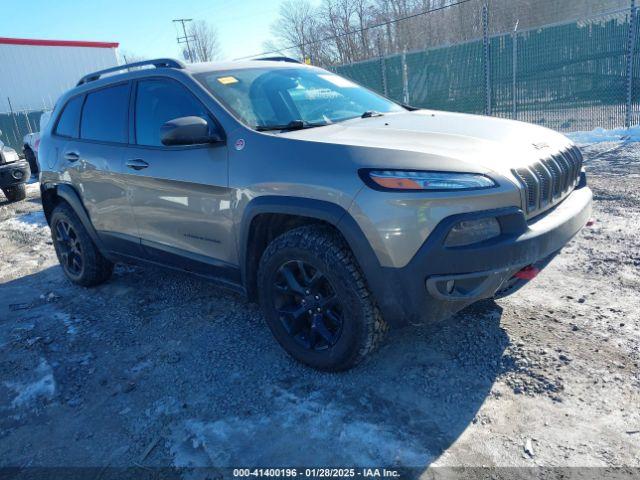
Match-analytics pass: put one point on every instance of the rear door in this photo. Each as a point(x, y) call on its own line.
point(179, 194)
point(92, 136)
point(104, 138)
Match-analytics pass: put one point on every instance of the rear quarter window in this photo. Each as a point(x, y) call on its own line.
point(69, 122)
point(105, 114)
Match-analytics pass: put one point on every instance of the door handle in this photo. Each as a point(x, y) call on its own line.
point(137, 164)
point(72, 156)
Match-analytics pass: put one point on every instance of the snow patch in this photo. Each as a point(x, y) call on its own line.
point(68, 323)
point(297, 431)
point(32, 222)
point(599, 135)
point(41, 385)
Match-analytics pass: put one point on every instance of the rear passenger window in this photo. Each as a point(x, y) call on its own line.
point(159, 101)
point(104, 116)
point(69, 122)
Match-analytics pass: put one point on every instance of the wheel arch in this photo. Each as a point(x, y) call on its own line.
point(264, 213)
point(52, 195)
point(28, 148)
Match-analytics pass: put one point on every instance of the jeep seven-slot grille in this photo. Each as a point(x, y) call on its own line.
point(549, 180)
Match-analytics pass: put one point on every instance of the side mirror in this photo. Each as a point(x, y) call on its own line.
point(188, 131)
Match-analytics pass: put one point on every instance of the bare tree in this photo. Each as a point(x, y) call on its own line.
point(299, 27)
point(204, 43)
point(347, 31)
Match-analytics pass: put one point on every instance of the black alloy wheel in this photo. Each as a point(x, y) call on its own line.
point(70, 250)
point(308, 306)
point(316, 301)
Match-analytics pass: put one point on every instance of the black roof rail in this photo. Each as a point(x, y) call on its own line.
point(158, 63)
point(278, 59)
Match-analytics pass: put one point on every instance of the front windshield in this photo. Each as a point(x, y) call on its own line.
point(264, 98)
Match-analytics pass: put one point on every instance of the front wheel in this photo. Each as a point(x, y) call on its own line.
point(15, 193)
point(316, 301)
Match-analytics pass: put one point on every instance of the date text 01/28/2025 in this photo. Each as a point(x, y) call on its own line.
point(316, 472)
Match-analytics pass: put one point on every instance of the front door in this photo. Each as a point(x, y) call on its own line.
point(179, 194)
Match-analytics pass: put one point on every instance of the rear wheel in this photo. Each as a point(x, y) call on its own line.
point(316, 301)
point(80, 259)
point(15, 193)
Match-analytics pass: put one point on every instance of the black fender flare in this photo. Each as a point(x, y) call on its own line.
point(71, 196)
point(336, 216)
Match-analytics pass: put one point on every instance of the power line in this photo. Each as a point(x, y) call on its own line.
point(185, 38)
point(359, 30)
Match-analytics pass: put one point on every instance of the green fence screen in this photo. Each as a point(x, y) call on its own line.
point(15, 127)
point(568, 77)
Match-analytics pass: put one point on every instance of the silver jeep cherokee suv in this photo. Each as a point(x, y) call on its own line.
point(339, 210)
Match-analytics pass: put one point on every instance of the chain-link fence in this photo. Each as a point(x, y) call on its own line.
point(569, 65)
point(569, 75)
point(15, 125)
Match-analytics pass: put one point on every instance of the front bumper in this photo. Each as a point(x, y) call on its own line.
point(440, 281)
point(14, 173)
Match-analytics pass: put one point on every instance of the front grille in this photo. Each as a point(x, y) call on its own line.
point(550, 179)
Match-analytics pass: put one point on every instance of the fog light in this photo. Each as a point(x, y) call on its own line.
point(17, 174)
point(468, 232)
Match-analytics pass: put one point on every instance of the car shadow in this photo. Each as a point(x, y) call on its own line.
point(4, 201)
point(164, 357)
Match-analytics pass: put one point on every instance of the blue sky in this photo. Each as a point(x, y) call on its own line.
point(142, 27)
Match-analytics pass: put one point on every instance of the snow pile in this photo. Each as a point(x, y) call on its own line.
point(598, 135)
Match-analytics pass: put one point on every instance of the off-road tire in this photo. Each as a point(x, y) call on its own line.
point(15, 193)
point(363, 327)
point(96, 269)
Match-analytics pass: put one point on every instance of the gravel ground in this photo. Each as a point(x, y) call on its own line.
point(159, 369)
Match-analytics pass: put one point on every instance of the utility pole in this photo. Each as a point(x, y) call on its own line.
point(185, 38)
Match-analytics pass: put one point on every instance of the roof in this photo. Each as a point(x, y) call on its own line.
point(206, 67)
point(56, 43)
point(120, 72)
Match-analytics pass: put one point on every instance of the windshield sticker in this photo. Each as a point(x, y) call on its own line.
point(338, 81)
point(227, 80)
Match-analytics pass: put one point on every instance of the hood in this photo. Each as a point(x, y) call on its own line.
point(446, 141)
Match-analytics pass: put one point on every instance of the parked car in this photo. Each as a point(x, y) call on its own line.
point(31, 142)
point(14, 172)
point(340, 211)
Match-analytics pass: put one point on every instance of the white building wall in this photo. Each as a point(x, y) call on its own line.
point(34, 76)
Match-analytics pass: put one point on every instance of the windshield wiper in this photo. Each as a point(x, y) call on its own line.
point(371, 113)
point(292, 125)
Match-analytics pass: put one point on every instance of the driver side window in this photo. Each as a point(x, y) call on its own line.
point(157, 102)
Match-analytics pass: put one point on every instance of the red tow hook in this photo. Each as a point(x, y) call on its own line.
point(527, 273)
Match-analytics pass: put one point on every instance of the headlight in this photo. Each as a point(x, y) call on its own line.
point(468, 232)
point(429, 181)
